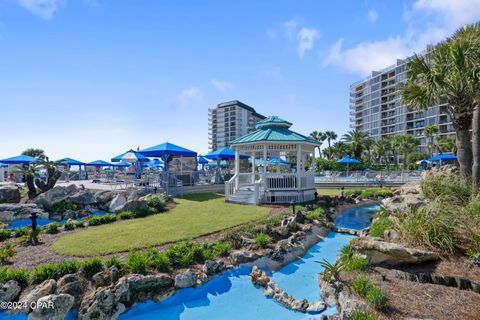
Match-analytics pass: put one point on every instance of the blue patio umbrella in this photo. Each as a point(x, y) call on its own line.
point(223, 154)
point(202, 160)
point(274, 161)
point(71, 162)
point(99, 163)
point(122, 164)
point(167, 149)
point(348, 160)
point(140, 156)
point(22, 159)
point(443, 157)
point(3, 165)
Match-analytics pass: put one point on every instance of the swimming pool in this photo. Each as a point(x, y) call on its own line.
point(356, 218)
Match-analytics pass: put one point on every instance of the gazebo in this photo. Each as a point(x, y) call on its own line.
point(277, 183)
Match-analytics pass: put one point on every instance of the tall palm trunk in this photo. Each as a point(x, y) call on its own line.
point(462, 122)
point(329, 155)
point(476, 146)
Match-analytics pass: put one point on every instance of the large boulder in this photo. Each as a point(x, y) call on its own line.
point(9, 193)
point(239, 257)
point(185, 279)
point(348, 302)
point(133, 205)
point(83, 198)
point(55, 195)
point(110, 302)
point(400, 203)
point(17, 211)
point(378, 251)
point(412, 187)
point(117, 202)
point(103, 199)
point(44, 289)
point(211, 267)
point(9, 291)
point(52, 307)
point(72, 284)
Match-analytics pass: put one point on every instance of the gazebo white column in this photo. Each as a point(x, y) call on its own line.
point(237, 167)
point(314, 163)
point(253, 166)
point(264, 158)
point(299, 169)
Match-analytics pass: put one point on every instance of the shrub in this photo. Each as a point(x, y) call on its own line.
point(5, 234)
point(7, 252)
point(315, 214)
point(79, 224)
point(361, 315)
point(346, 253)
point(20, 275)
point(136, 262)
point(356, 264)
point(45, 272)
point(98, 220)
point(263, 240)
point(377, 298)
point(179, 254)
point(52, 227)
point(376, 192)
point(222, 249)
point(126, 215)
point(114, 261)
point(156, 202)
point(362, 285)
point(92, 266)
point(440, 184)
point(141, 213)
point(273, 221)
point(20, 232)
point(69, 225)
point(63, 206)
point(233, 237)
point(158, 260)
point(67, 267)
point(381, 223)
point(331, 272)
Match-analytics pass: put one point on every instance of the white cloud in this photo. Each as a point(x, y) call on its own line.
point(428, 21)
point(306, 37)
point(189, 96)
point(43, 8)
point(290, 28)
point(221, 85)
point(372, 16)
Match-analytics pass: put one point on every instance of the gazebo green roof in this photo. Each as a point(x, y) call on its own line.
point(273, 129)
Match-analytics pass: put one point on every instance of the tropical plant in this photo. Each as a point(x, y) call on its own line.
point(331, 272)
point(320, 137)
point(92, 266)
point(406, 144)
point(430, 131)
point(7, 252)
point(53, 174)
point(368, 143)
point(356, 139)
point(443, 75)
point(358, 314)
point(330, 136)
point(114, 261)
point(263, 240)
point(156, 202)
point(20, 275)
point(34, 152)
point(136, 262)
point(380, 150)
point(69, 225)
point(446, 144)
point(52, 227)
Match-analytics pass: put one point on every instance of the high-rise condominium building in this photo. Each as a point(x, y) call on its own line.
point(375, 107)
point(229, 121)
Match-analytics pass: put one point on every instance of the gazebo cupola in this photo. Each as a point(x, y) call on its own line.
point(277, 173)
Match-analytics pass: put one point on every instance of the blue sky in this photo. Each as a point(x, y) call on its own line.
point(89, 79)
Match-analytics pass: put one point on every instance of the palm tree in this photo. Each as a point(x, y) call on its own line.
point(34, 152)
point(356, 139)
point(368, 143)
point(439, 77)
point(407, 144)
point(380, 150)
point(339, 149)
point(330, 136)
point(320, 137)
point(429, 133)
point(446, 144)
point(393, 148)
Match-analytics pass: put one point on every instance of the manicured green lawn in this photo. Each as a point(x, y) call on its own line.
point(330, 192)
point(194, 215)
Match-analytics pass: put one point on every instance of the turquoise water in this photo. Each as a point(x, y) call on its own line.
point(356, 218)
point(42, 222)
point(232, 295)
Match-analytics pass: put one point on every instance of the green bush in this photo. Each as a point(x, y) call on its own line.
point(376, 192)
point(381, 223)
point(20, 275)
point(69, 225)
point(114, 261)
point(156, 202)
point(79, 224)
point(356, 264)
point(179, 254)
point(263, 240)
point(136, 262)
point(7, 252)
point(362, 285)
point(20, 232)
point(45, 272)
point(377, 298)
point(67, 267)
point(52, 227)
point(63, 206)
point(98, 220)
point(331, 272)
point(158, 260)
point(222, 249)
point(142, 213)
point(126, 215)
point(273, 221)
point(315, 214)
point(452, 187)
point(92, 266)
point(5, 234)
point(361, 315)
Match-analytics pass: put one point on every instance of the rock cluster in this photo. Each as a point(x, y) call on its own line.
point(17, 211)
point(9, 193)
point(405, 197)
point(270, 289)
point(378, 251)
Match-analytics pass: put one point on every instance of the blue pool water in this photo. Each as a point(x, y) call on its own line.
point(356, 218)
point(42, 222)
